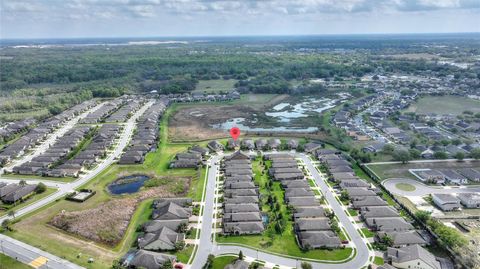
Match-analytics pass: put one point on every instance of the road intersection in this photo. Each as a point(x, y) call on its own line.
point(360, 257)
point(28, 254)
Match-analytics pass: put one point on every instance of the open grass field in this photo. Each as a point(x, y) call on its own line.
point(8, 263)
point(398, 170)
point(215, 85)
point(444, 105)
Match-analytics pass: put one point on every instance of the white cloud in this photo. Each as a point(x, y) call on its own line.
point(252, 15)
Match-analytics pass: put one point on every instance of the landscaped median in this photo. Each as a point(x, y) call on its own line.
point(289, 249)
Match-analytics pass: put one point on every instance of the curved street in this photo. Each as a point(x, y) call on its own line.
point(421, 189)
point(206, 245)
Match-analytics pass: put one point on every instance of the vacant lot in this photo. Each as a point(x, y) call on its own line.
point(385, 171)
point(215, 85)
point(192, 122)
point(444, 105)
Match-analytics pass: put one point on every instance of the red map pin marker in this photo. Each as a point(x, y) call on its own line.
point(235, 133)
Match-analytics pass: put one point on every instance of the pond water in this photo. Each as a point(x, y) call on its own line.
point(128, 184)
point(285, 116)
point(239, 122)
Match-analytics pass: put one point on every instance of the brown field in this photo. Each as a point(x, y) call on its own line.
point(192, 122)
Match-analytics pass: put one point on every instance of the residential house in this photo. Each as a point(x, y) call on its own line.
point(446, 202)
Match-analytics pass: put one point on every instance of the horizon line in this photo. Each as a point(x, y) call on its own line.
point(249, 35)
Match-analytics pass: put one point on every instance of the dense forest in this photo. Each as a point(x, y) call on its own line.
point(261, 65)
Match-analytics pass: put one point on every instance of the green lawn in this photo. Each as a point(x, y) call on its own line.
point(378, 260)
point(5, 208)
point(444, 105)
point(215, 85)
point(9, 263)
point(284, 243)
point(405, 187)
point(353, 212)
point(221, 262)
point(368, 233)
point(183, 255)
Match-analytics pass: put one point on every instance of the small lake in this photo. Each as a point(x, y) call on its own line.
point(286, 116)
point(128, 184)
point(239, 122)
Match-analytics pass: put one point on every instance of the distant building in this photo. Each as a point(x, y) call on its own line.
point(446, 202)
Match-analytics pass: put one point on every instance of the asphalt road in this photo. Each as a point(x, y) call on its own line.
point(50, 139)
point(28, 253)
point(207, 246)
point(422, 189)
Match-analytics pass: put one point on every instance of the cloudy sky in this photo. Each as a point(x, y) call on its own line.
point(139, 18)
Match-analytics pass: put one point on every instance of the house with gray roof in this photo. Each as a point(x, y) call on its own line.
point(469, 200)
point(318, 239)
point(238, 208)
point(303, 202)
point(156, 225)
point(415, 256)
point(309, 212)
point(359, 192)
point(19, 194)
point(216, 146)
point(170, 211)
point(261, 144)
point(164, 239)
point(359, 202)
point(311, 147)
point(298, 192)
point(402, 239)
point(292, 144)
point(242, 200)
point(248, 144)
point(470, 173)
point(274, 143)
point(242, 217)
point(353, 183)
point(378, 212)
point(295, 184)
point(312, 224)
point(239, 228)
point(446, 202)
point(389, 224)
point(454, 177)
point(147, 259)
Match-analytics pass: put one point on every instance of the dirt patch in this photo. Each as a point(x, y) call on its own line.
point(108, 222)
point(194, 123)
